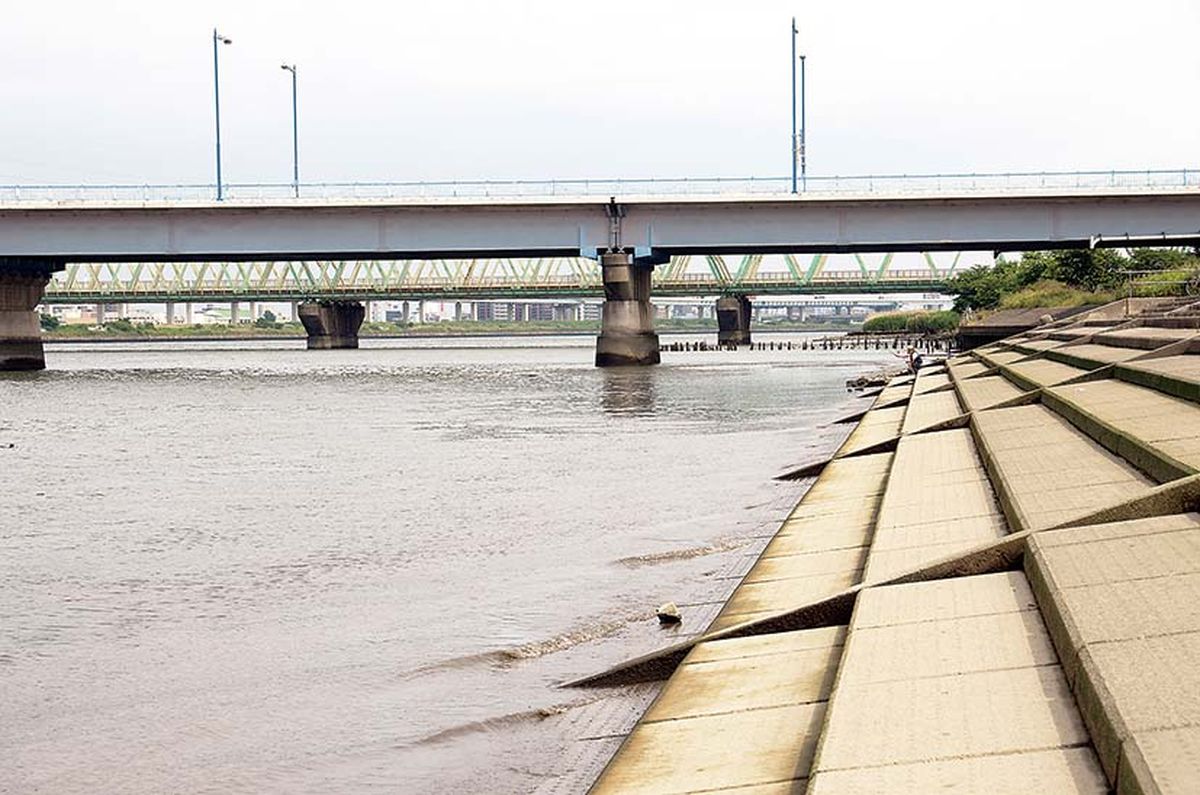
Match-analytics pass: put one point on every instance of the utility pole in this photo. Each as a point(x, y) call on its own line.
point(295, 135)
point(795, 141)
point(803, 129)
point(218, 39)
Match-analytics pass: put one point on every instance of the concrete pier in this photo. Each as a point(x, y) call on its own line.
point(170, 313)
point(332, 324)
point(627, 320)
point(20, 331)
point(733, 320)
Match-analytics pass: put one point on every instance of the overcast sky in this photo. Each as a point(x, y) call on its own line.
point(121, 91)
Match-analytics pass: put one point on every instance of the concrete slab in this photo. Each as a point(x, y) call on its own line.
point(748, 683)
point(767, 645)
point(1047, 471)
point(986, 594)
point(753, 748)
point(877, 426)
point(943, 672)
point(1122, 602)
point(777, 595)
point(929, 409)
point(1140, 413)
point(1061, 770)
point(948, 717)
point(1045, 372)
point(1166, 761)
point(930, 379)
point(942, 648)
point(806, 564)
point(981, 393)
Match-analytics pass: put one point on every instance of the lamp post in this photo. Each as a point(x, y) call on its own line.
point(795, 142)
point(803, 129)
point(217, 40)
point(295, 135)
point(798, 154)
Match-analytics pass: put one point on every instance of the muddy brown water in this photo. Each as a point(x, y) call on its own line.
point(248, 567)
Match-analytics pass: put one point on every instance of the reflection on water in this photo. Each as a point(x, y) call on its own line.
point(628, 390)
point(250, 567)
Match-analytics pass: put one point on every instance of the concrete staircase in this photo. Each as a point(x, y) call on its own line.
point(992, 586)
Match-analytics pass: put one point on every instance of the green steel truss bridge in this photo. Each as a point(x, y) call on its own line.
point(481, 279)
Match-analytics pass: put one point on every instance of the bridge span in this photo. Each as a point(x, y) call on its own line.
point(629, 236)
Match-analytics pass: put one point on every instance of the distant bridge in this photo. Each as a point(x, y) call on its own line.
point(546, 277)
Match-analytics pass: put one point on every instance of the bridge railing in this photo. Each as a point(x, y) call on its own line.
point(869, 184)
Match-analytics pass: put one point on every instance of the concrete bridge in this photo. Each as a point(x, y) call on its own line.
point(629, 237)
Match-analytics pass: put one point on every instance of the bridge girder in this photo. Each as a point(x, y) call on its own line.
point(458, 279)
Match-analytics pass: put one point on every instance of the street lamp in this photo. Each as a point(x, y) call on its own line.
point(295, 136)
point(218, 39)
point(798, 154)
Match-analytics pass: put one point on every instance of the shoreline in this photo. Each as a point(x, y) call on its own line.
point(52, 339)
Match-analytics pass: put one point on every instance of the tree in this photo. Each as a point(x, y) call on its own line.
point(267, 320)
point(1156, 259)
point(49, 322)
point(1090, 269)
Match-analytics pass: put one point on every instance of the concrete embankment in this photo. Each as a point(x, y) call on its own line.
point(991, 586)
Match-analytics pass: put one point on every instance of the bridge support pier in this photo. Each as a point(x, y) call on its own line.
point(21, 290)
point(733, 320)
point(332, 324)
point(627, 319)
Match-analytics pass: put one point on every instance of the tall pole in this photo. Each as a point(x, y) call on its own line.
point(218, 39)
point(803, 129)
point(295, 135)
point(795, 143)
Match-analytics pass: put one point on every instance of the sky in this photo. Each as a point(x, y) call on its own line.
point(122, 91)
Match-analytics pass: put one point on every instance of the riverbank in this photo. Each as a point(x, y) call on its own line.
point(988, 503)
point(125, 332)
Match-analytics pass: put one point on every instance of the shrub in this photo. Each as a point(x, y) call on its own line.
point(920, 322)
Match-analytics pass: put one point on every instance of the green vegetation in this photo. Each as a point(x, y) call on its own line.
point(1074, 277)
point(919, 322)
point(48, 322)
point(1049, 292)
point(267, 320)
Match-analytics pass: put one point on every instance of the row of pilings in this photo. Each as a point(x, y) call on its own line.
point(847, 342)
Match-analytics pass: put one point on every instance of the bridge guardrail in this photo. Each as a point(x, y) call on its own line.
point(829, 185)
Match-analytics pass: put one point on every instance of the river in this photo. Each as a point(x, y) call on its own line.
point(247, 567)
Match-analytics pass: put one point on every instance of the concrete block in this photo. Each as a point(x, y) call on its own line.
point(942, 648)
point(747, 683)
point(754, 748)
point(986, 594)
point(1063, 771)
point(947, 717)
point(1165, 761)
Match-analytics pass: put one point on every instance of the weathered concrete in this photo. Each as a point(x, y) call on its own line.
point(332, 324)
point(627, 319)
point(20, 329)
point(929, 683)
point(744, 712)
point(733, 320)
point(954, 677)
point(1122, 602)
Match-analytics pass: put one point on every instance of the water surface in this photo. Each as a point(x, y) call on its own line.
point(240, 567)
